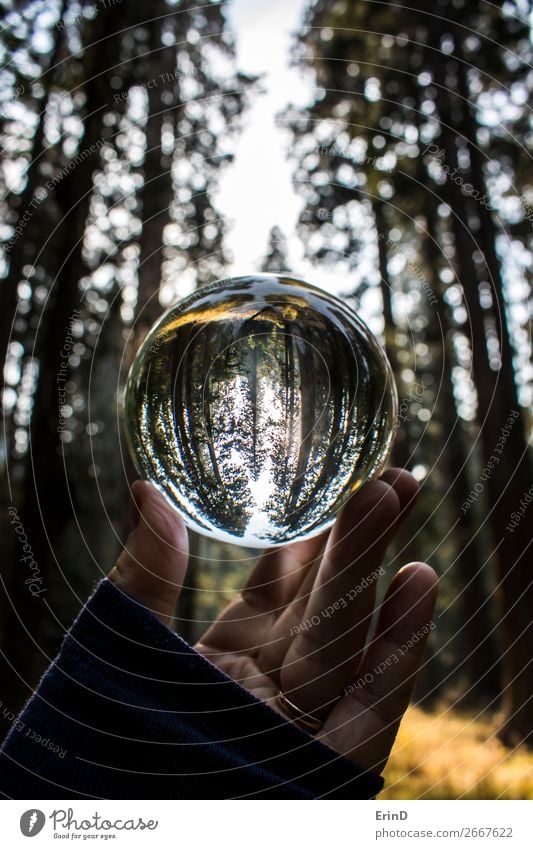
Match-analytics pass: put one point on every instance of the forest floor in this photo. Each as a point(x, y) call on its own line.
point(448, 755)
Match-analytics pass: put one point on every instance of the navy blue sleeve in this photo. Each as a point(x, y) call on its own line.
point(128, 710)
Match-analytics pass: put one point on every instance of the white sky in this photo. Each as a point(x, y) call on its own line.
point(256, 193)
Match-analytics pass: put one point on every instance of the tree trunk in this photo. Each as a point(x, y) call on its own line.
point(401, 454)
point(157, 191)
point(18, 256)
point(507, 471)
point(49, 504)
point(476, 641)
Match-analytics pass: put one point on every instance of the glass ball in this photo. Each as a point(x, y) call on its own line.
point(258, 405)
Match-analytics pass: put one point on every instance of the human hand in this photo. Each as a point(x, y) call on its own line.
point(301, 623)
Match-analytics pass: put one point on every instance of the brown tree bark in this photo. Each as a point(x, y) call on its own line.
point(401, 453)
point(49, 503)
point(18, 256)
point(476, 642)
point(500, 418)
point(157, 191)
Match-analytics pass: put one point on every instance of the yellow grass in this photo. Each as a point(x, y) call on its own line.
point(447, 755)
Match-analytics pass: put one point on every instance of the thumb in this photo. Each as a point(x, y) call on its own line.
point(152, 565)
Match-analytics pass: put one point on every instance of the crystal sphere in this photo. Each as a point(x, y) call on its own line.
point(258, 405)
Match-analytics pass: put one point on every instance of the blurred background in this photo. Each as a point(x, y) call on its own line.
point(379, 151)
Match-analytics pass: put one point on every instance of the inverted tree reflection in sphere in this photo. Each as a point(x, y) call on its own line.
point(258, 405)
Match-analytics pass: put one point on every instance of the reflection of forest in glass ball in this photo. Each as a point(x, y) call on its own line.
point(258, 405)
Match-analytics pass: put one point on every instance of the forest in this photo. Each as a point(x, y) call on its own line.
point(410, 160)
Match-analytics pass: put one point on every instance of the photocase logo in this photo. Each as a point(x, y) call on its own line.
point(32, 822)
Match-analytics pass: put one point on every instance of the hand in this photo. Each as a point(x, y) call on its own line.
point(301, 622)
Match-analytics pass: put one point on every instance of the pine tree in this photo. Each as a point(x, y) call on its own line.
point(123, 160)
point(396, 85)
point(276, 258)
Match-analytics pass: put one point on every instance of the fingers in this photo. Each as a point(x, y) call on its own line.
point(405, 487)
point(246, 625)
point(324, 653)
point(154, 560)
point(364, 723)
point(279, 573)
point(274, 648)
point(272, 655)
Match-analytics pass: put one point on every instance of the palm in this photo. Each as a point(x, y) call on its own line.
point(327, 585)
point(250, 641)
point(259, 640)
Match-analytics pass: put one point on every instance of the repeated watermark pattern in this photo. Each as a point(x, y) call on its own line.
point(62, 375)
point(327, 612)
point(528, 209)
point(155, 82)
point(42, 192)
point(331, 150)
point(393, 247)
point(326, 215)
point(491, 462)
point(34, 582)
point(77, 160)
point(188, 300)
point(518, 514)
point(26, 217)
point(19, 725)
point(438, 155)
point(96, 7)
point(403, 410)
point(20, 89)
point(368, 678)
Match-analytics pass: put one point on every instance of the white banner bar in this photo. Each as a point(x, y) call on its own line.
point(268, 824)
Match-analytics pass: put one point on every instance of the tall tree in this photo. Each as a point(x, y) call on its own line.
point(501, 419)
point(127, 151)
point(276, 258)
point(393, 86)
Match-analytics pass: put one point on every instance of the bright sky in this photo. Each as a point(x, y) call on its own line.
point(256, 193)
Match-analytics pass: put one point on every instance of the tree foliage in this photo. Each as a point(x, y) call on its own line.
point(417, 135)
